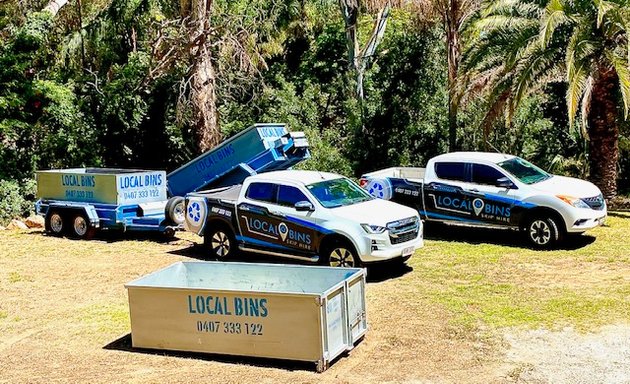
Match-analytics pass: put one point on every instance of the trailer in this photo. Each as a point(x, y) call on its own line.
point(81, 201)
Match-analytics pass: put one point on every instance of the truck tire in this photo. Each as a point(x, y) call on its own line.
point(54, 223)
point(340, 254)
point(542, 232)
point(81, 227)
point(175, 210)
point(220, 241)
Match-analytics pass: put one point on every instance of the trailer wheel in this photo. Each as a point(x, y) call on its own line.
point(176, 210)
point(221, 242)
point(542, 232)
point(54, 223)
point(340, 254)
point(81, 227)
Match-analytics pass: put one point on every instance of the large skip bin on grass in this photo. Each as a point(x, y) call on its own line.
point(291, 312)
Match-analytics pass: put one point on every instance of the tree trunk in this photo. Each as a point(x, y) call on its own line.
point(54, 6)
point(203, 97)
point(603, 133)
point(451, 19)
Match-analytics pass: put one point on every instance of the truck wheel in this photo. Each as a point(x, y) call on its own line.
point(221, 242)
point(175, 209)
point(340, 254)
point(54, 223)
point(81, 227)
point(542, 232)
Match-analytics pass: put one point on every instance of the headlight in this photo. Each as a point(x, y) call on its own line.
point(574, 201)
point(373, 228)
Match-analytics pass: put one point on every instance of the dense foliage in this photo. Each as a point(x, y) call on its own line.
point(109, 83)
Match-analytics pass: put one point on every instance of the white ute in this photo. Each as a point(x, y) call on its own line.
point(315, 216)
point(493, 190)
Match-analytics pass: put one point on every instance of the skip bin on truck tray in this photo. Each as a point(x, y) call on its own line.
point(279, 311)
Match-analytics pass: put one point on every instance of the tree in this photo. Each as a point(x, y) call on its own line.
point(203, 80)
point(360, 58)
point(454, 15)
point(523, 45)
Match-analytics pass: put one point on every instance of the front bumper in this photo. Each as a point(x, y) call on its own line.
point(378, 247)
point(582, 219)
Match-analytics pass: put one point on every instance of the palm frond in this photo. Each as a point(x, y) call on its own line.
point(586, 105)
point(621, 67)
point(577, 84)
point(554, 17)
point(603, 7)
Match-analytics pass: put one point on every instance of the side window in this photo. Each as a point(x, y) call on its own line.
point(484, 174)
point(288, 195)
point(451, 171)
point(261, 191)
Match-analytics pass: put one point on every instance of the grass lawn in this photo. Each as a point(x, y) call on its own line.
point(499, 283)
point(64, 314)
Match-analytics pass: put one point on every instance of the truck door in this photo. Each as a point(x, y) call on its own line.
point(492, 204)
point(447, 198)
point(269, 221)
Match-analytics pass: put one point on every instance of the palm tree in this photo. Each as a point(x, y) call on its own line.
point(521, 45)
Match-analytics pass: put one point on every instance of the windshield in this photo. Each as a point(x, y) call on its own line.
point(338, 192)
point(525, 171)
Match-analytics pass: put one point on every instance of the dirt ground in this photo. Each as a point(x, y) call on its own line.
point(64, 318)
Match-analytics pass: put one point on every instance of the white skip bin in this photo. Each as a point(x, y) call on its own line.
point(292, 312)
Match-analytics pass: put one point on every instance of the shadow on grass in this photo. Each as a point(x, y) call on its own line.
point(114, 236)
point(375, 273)
point(620, 214)
point(124, 344)
point(509, 238)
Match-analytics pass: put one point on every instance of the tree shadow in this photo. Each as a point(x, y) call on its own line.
point(505, 237)
point(124, 344)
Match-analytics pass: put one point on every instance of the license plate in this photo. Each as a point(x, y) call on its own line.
point(407, 251)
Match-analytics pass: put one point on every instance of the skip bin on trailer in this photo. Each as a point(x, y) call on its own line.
point(279, 311)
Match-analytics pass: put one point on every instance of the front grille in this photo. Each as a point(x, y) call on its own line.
point(404, 237)
point(403, 230)
point(596, 202)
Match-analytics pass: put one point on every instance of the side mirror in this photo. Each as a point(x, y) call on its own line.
point(504, 182)
point(304, 206)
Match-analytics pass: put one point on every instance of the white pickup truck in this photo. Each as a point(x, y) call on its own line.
point(493, 190)
point(307, 215)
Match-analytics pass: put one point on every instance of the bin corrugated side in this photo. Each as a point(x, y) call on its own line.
point(291, 312)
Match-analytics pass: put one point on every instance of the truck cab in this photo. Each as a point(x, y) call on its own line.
point(307, 215)
point(494, 190)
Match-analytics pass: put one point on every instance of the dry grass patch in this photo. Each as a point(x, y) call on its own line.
point(63, 302)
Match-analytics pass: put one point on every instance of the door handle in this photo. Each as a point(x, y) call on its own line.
point(276, 213)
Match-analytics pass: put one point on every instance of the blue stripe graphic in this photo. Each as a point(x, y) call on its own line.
point(262, 243)
point(308, 224)
point(448, 217)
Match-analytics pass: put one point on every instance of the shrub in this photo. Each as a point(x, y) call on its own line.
point(16, 199)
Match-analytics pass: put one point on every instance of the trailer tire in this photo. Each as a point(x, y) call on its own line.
point(542, 232)
point(176, 210)
point(220, 241)
point(54, 223)
point(340, 253)
point(81, 227)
